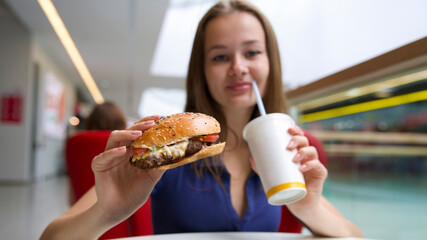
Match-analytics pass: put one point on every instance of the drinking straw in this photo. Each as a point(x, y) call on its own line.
point(258, 99)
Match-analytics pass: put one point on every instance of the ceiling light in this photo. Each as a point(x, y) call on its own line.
point(68, 43)
point(74, 121)
point(385, 93)
point(354, 92)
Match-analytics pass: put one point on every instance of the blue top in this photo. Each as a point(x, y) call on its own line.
point(183, 202)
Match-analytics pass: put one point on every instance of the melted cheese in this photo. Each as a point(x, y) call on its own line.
point(175, 150)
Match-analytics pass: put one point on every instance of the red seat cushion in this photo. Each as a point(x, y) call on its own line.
point(80, 150)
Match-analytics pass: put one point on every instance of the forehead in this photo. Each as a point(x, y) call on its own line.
point(234, 28)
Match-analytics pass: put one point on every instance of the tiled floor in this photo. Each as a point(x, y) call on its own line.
point(382, 209)
point(26, 210)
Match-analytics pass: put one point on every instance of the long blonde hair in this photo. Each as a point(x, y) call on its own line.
point(199, 99)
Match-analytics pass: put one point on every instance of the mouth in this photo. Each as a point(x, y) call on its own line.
point(240, 86)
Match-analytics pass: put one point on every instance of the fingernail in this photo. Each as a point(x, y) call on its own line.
point(291, 144)
point(303, 167)
point(136, 132)
point(297, 157)
point(122, 149)
point(148, 123)
point(156, 117)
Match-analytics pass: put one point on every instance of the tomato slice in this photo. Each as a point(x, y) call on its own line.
point(207, 138)
point(139, 151)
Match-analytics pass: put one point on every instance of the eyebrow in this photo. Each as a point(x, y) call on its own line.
point(219, 46)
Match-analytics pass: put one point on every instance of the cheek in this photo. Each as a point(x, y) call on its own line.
point(262, 73)
point(209, 78)
point(212, 81)
point(214, 76)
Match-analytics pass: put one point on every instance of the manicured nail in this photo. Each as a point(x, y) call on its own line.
point(149, 123)
point(303, 167)
point(291, 144)
point(121, 149)
point(297, 157)
point(136, 132)
point(154, 117)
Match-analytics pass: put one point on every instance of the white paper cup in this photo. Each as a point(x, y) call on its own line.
point(268, 137)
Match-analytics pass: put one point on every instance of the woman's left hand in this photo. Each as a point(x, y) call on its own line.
point(313, 170)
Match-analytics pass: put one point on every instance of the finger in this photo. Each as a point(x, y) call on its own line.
point(144, 125)
point(154, 174)
point(108, 159)
point(295, 130)
point(297, 142)
point(305, 154)
point(136, 131)
point(153, 117)
point(316, 167)
point(122, 137)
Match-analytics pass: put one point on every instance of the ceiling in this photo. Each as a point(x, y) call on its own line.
point(115, 38)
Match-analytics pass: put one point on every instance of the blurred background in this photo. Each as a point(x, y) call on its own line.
point(355, 74)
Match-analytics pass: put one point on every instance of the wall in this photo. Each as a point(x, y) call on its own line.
point(48, 155)
point(19, 54)
point(14, 79)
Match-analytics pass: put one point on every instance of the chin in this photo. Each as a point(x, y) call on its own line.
point(240, 103)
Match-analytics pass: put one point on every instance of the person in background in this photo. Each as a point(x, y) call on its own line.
point(83, 145)
point(106, 116)
point(234, 45)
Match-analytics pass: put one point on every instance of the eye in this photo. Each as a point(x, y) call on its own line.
point(220, 58)
point(253, 53)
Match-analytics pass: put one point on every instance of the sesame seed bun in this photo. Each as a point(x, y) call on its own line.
point(171, 141)
point(177, 127)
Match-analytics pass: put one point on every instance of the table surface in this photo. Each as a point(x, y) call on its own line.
point(230, 236)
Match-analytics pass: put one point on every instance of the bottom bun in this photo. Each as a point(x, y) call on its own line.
point(203, 153)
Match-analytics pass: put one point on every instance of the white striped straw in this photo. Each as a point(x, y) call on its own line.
point(258, 99)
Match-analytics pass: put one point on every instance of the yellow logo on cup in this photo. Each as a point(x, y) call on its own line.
point(283, 186)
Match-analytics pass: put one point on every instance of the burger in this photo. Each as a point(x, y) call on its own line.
point(176, 140)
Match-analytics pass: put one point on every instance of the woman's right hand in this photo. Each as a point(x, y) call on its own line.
point(121, 188)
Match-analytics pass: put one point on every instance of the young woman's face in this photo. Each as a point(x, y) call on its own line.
point(235, 55)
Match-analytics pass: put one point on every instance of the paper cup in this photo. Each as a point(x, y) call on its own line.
point(268, 137)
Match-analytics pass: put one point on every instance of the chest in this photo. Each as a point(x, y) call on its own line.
point(187, 203)
point(239, 170)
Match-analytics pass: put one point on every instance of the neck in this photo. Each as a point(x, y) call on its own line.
point(236, 156)
point(236, 121)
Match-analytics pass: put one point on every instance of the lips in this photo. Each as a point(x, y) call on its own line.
point(240, 86)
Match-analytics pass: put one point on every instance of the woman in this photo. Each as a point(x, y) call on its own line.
point(234, 45)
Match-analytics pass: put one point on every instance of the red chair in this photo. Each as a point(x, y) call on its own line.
point(80, 150)
point(288, 222)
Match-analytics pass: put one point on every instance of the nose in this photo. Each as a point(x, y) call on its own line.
point(238, 67)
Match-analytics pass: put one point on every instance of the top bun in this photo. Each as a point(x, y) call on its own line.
point(177, 127)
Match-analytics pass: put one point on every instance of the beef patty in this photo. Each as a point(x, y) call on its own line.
point(153, 161)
